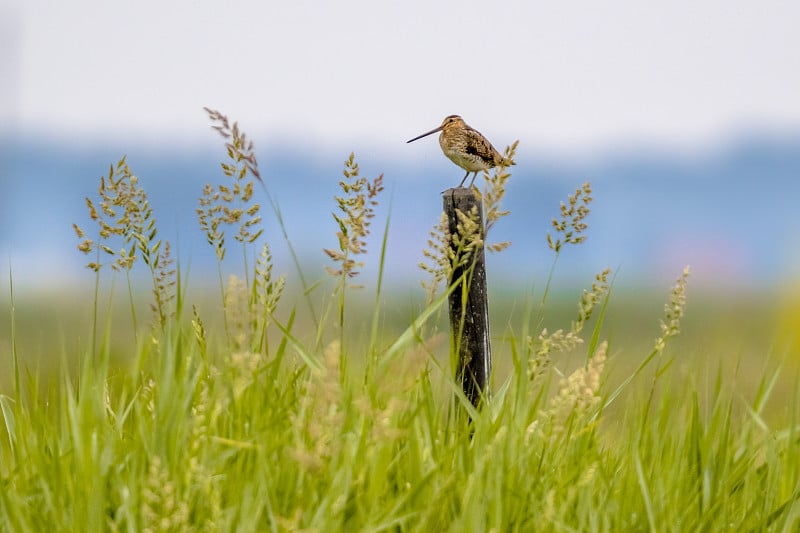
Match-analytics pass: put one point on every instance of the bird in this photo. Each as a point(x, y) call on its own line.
point(466, 147)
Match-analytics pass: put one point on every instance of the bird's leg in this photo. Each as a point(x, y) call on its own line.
point(474, 175)
point(463, 180)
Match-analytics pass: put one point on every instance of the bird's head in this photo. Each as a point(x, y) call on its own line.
point(450, 121)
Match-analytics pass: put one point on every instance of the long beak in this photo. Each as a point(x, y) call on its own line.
point(425, 134)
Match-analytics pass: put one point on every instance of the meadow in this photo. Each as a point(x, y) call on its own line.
point(282, 403)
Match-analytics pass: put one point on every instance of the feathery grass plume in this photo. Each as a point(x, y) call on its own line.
point(447, 251)
point(232, 204)
point(237, 312)
point(673, 311)
point(590, 299)
point(569, 229)
point(542, 347)
point(547, 343)
point(578, 393)
point(125, 213)
point(358, 208)
point(165, 282)
point(210, 217)
point(438, 254)
point(494, 193)
point(570, 226)
point(199, 330)
point(467, 238)
point(114, 192)
point(240, 149)
point(268, 292)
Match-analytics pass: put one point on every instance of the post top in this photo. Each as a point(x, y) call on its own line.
point(460, 192)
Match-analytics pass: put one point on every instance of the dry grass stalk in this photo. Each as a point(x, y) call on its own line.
point(494, 193)
point(126, 231)
point(231, 204)
point(673, 311)
point(570, 226)
point(357, 205)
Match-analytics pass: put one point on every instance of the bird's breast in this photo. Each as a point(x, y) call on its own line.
point(463, 153)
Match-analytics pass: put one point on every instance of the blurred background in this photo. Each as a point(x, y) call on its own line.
point(684, 116)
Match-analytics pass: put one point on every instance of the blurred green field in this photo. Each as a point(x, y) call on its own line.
point(741, 335)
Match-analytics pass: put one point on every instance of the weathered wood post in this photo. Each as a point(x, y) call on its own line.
point(469, 307)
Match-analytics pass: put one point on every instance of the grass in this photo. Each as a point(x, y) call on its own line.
point(251, 422)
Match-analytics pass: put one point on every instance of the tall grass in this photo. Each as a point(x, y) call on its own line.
point(260, 426)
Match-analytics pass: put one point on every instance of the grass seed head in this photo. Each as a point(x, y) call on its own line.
point(570, 226)
point(579, 392)
point(673, 311)
point(437, 253)
point(357, 209)
point(494, 192)
point(231, 204)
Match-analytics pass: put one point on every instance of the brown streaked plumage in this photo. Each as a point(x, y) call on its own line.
point(466, 147)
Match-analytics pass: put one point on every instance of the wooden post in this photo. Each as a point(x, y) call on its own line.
point(469, 307)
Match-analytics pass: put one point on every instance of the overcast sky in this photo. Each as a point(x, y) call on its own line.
point(557, 75)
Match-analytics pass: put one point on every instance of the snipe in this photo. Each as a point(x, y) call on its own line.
point(466, 147)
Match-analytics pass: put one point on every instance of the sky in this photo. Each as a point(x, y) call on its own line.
point(569, 76)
